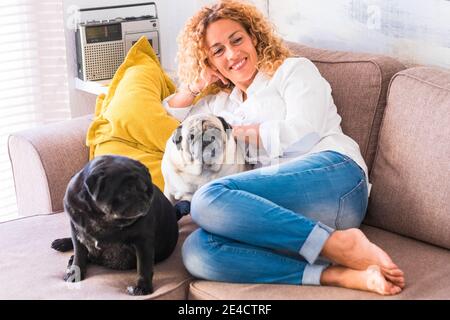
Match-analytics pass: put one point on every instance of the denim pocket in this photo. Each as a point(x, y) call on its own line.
point(352, 207)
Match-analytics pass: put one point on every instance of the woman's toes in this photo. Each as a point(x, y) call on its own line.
point(398, 281)
point(377, 282)
point(396, 290)
point(396, 276)
point(392, 271)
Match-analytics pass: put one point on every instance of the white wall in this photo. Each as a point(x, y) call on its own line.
point(261, 4)
point(414, 31)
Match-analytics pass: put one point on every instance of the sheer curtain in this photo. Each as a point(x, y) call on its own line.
point(33, 77)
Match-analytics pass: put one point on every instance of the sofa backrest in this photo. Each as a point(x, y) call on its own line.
point(411, 171)
point(43, 160)
point(359, 85)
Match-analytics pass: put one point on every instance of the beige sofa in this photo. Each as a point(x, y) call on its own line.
point(400, 118)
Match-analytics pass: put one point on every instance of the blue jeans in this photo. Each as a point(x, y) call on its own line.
point(270, 228)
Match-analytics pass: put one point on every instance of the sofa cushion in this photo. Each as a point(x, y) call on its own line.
point(43, 160)
point(130, 120)
point(32, 270)
point(426, 270)
point(411, 173)
point(359, 83)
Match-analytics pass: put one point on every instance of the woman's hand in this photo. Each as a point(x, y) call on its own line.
point(187, 92)
point(207, 77)
point(247, 133)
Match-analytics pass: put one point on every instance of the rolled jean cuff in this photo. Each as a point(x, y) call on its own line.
point(312, 274)
point(314, 243)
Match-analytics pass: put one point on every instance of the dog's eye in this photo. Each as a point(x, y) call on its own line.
point(191, 137)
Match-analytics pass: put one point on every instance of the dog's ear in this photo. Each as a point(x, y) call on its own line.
point(94, 184)
point(144, 182)
point(177, 137)
point(225, 125)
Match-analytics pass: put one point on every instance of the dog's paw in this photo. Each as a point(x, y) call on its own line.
point(139, 290)
point(182, 208)
point(62, 245)
point(70, 262)
point(73, 274)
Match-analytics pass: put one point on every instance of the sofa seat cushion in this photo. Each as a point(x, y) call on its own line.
point(360, 83)
point(426, 270)
point(32, 270)
point(411, 175)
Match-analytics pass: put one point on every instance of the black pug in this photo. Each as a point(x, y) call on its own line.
point(118, 219)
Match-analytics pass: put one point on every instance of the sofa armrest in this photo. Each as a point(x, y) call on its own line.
point(43, 161)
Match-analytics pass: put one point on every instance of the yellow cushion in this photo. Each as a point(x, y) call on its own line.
point(130, 119)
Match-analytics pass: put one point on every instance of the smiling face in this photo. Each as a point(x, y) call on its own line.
point(232, 52)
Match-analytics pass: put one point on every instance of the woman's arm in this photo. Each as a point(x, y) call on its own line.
point(247, 133)
point(187, 93)
point(182, 98)
point(309, 106)
point(179, 104)
point(307, 96)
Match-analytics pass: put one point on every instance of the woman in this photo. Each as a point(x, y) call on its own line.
point(295, 219)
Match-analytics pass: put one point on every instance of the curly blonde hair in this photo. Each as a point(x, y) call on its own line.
point(192, 51)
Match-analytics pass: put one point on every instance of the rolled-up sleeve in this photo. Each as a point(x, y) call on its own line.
point(307, 96)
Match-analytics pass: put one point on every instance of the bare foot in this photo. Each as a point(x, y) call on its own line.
point(352, 249)
point(371, 280)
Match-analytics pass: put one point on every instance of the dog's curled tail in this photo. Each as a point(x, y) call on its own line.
point(63, 244)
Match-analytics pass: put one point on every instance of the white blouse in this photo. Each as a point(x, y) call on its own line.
point(294, 108)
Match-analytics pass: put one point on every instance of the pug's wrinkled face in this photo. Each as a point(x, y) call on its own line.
point(121, 188)
point(201, 141)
